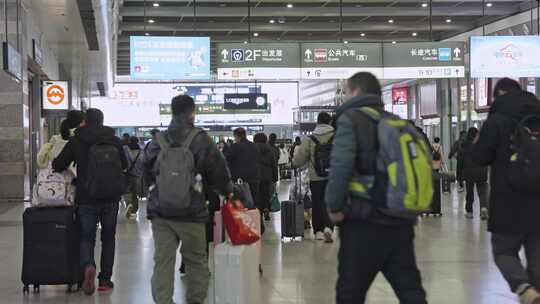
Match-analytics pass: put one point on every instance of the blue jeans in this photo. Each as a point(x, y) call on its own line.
point(89, 216)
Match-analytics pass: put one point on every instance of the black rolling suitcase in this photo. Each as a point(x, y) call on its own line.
point(51, 248)
point(292, 219)
point(292, 213)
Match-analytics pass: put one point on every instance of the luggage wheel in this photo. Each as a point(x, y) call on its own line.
point(26, 289)
point(36, 288)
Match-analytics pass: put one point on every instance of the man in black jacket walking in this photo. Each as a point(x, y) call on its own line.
point(243, 157)
point(92, 210)
point(513, 219)
point(190, 227)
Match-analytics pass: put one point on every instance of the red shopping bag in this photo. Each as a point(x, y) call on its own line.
point(242, 230)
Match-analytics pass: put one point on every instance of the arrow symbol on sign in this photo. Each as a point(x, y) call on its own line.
point(225, 54)
point(457, 52)
point(308, 54)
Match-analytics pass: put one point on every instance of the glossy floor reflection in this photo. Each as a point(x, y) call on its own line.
point(453, 254)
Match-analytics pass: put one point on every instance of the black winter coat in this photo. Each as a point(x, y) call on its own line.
point(242, 158)
point(76, 150)
point(472, 172)
point(209, 162)
point(268, 171)
point(511, 212)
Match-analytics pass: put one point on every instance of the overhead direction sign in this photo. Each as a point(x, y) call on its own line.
point(424, 60)
point(55, 95)
point(340, 60)
point(240, 61)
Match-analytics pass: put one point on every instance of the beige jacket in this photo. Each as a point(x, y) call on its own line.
point(51, 150)
point(304, 154)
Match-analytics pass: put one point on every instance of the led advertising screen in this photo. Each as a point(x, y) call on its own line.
point(149, 104)
point(170, 58)
point(505, 56)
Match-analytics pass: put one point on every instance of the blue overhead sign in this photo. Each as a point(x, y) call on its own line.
point(170, 58)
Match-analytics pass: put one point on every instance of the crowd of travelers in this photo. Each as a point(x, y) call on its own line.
point(347, 184)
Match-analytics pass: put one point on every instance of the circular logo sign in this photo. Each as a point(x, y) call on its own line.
point(55, 94)
point(260, 101)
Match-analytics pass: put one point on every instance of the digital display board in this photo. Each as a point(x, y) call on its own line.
point(149, 104)
point(12, 61)
point(170, 58)
point(505, 56)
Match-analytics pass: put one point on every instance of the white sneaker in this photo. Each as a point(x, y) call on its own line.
point(530, 296)
point(484, 214)
point(319, 236)
point(469, 215)
point(328, 235)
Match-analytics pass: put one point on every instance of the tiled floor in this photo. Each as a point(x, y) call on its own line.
point(453, 254)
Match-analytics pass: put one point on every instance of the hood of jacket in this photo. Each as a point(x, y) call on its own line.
point(92, 134)
point(361, 101)
point(323, 129)
point(516, 105)
point(179, 127)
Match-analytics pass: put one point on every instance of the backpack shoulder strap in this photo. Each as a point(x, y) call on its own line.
point(163, 141)
point(191, 136)
point(371, 113)
point(314, 139)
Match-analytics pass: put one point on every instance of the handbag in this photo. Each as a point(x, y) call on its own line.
point(242, 192)
point(275, 204)
point(240, 227)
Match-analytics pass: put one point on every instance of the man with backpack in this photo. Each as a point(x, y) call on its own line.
point(315, 150)
point(184, 163)
point(509, 143)
point(100, 183)
point(376, 188)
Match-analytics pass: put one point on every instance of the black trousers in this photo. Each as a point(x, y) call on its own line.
point(255, 187)
point(367, 249)
point(320, 213)
point(265, 195)
point(436, 201)
point(482, 189)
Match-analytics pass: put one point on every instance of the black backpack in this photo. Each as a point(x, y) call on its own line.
point(105, 178)
point(321, 161)
point(523, 174)
point(436, 155)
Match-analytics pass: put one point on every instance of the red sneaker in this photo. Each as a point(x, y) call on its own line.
point(105, 286)
point(89, 283)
